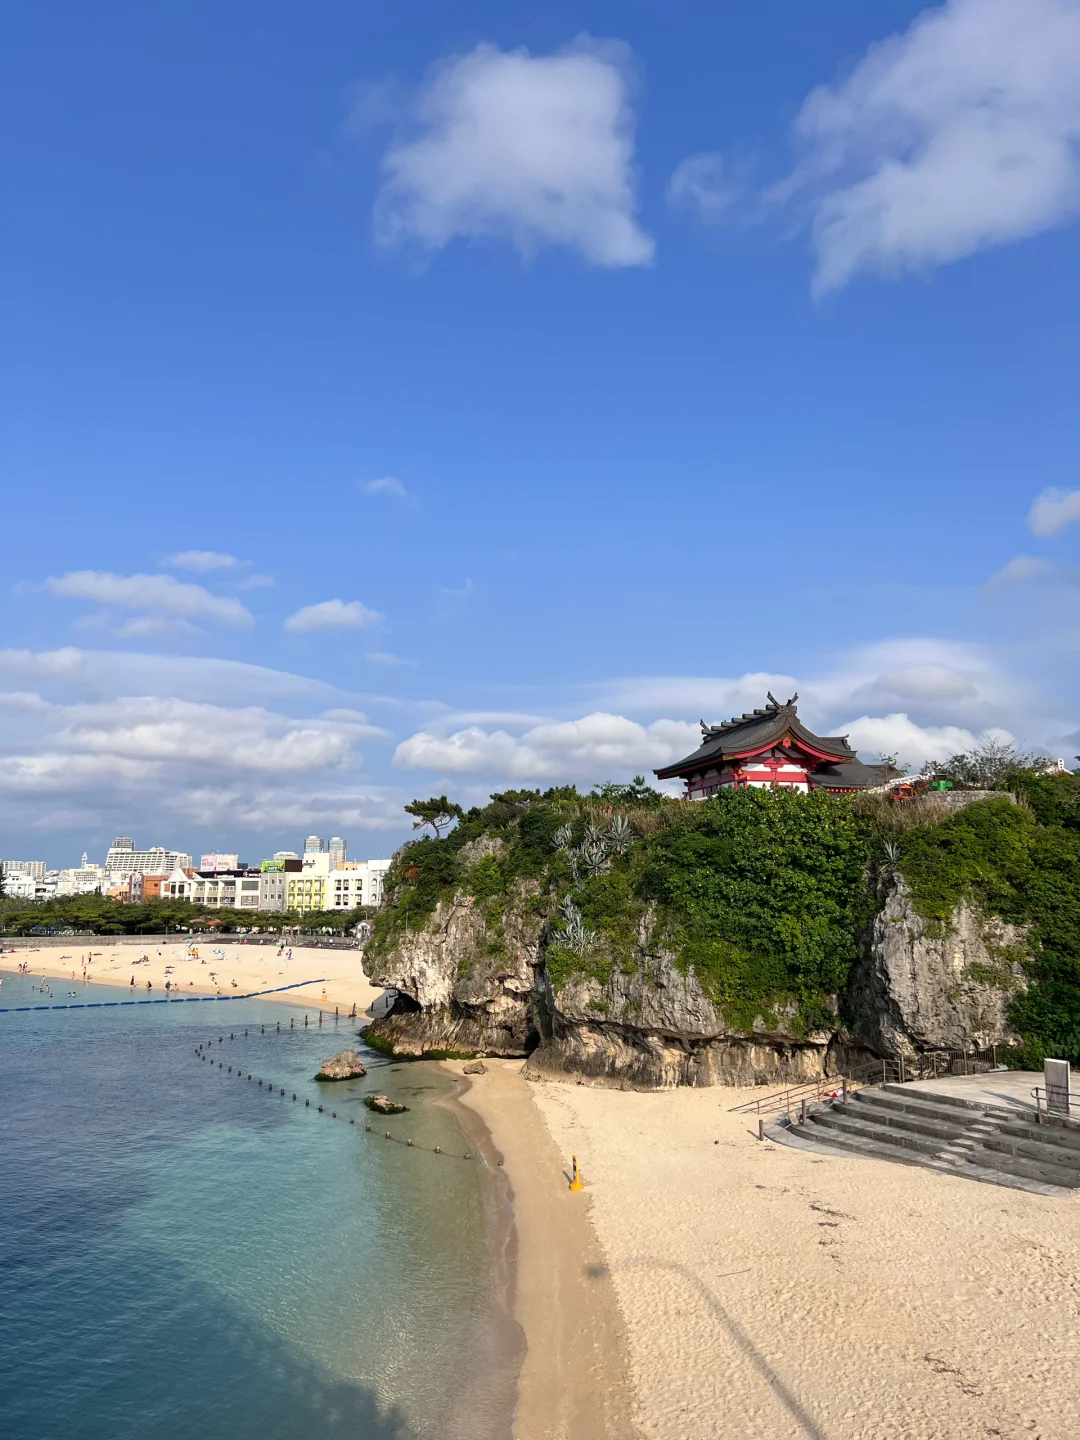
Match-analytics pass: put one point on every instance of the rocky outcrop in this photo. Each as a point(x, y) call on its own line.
point(918, 986)
point(476, 982)
point(465, 982)
point(383, 1105)
point(346, 1065)
point(651, 1026)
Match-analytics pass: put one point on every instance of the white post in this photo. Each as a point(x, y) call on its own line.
point(1056, 1080)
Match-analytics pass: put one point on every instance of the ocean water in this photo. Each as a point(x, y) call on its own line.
point(185, 1253)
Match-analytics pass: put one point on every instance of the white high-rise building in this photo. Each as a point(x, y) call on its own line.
point(338, 851)
point(314, 846)
point(34, 868)
point(123, 859)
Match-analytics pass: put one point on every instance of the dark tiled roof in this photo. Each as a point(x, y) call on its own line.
point(852, 776)
point(753, 731)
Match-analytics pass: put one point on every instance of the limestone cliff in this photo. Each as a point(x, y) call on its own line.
point(460, 986)
point(920, 985)
point(759, 941)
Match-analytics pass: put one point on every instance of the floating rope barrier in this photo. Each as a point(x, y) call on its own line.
point(201, 1053)
point(164, 1000)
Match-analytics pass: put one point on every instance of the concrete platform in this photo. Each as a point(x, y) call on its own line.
point(1010, 1088)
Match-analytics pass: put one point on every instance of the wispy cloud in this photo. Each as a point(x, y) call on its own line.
point(537, 150)
point(387, 485)
point(158, 594)
point(1053, 510)
point(383, 657)
point(1026, 568)
point(703, 183)
point(957, 135)
point(960, 134)
point(332, 615)
point(203, 561)
point(458, 592)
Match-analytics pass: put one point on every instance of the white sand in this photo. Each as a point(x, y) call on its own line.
point(328, 978)
point(769, 1292)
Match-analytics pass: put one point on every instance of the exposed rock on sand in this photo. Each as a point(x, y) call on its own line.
point(344, 1066)
point(474, 1067)
point(383, 1105)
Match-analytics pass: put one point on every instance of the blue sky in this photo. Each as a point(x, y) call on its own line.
point(420, 398)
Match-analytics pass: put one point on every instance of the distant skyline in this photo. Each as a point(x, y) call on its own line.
point(420, 399)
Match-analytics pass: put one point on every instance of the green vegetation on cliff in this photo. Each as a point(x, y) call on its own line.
point(1020, 862)
point(760, 893)
point(763, 895)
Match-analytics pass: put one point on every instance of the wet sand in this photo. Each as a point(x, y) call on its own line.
point(574, 1378)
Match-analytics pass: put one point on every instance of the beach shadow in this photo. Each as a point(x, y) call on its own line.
point(787, 1398)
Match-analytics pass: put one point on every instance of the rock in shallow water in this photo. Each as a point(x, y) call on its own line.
point(343, 1066)
point(384, 1105)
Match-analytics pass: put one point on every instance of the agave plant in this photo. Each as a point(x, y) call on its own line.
point(594, 858)
point(574, 933)
point(564, 837)
point(595, 837)
point(620, 834)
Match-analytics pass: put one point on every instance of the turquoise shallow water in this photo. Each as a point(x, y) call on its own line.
point(184, 1253)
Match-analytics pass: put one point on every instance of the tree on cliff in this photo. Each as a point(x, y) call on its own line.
point(438, 812)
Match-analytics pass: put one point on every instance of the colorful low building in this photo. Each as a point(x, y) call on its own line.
point(771, 748)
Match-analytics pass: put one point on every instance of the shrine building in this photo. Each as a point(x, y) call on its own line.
point(771, 747)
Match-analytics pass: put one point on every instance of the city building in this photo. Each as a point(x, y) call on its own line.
point(356, 883)
point(338, 851)
point(20, 885)
point(218, 861)
point(123, 859)
point(313, 845)
point(770, 748)
point(35, 868)
point(286, 855)
point(84, 879)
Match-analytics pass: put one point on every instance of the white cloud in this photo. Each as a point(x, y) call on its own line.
point(537, 150)
point(238, 738)
point(703, 183)
point(332, 615)
point(898, 735)
point(1053, 510)
point(1025, 568)
point(383, 657)
point(160, 593)
point(111, 672)
point(590, 748)
point(203, 561)
point(388, 485)
point(959, 134)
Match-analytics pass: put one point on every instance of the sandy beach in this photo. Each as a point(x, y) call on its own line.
point(764, 1291)
point(326, 978)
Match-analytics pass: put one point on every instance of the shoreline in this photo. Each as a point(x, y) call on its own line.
point(336, 976)
point(573, 1381)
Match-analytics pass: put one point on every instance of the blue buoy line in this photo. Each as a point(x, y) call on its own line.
point(164, 1000)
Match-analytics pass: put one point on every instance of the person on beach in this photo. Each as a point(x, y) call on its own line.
point(133, 982)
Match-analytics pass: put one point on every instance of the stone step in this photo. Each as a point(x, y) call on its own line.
point(840, 1119)
point(899, 1102)
point(918, 1122)
point(1005, 1152)
point(958, 1159)
point(1056, 1136)
point(1018, 1165)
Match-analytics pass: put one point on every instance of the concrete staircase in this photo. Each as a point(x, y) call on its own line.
point(997, 1144)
